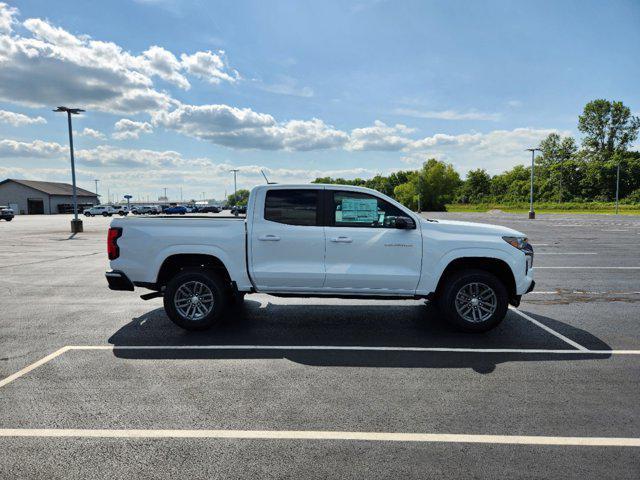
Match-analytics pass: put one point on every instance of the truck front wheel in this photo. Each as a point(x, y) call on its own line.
point(473, 300)
point(195, 299)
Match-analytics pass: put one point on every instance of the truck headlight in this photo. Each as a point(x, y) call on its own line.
point(521, 243)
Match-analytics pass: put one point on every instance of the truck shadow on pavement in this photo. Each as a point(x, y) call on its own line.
point(412, 324)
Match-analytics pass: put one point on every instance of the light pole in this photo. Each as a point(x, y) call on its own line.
point(235, 187)
point(96, 180)
point(76, 223)
point(533, 151)
point(617, 185)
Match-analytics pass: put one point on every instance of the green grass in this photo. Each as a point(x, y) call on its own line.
point(602, 208)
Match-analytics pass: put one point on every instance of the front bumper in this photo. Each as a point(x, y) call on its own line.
point(118, 281)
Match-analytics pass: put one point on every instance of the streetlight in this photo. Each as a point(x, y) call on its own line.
point(76, 223)
point(235, 188)
point(533, 151)
point(96, 180)
point(617, 185)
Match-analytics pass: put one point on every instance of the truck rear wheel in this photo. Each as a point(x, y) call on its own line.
point(474, 300)
point(195, 299)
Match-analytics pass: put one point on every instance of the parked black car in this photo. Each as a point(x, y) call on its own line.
point(209, 209)
point(238, 210)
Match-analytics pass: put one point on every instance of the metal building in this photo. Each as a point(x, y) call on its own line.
point(34, 197)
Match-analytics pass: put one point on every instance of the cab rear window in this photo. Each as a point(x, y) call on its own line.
point(292, 206)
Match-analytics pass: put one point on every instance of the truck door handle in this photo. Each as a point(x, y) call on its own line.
point(342, 239)
point(269, 238)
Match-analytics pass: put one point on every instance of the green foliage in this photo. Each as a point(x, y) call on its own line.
point(240, 198)
point(436, 183)
point(608, 127)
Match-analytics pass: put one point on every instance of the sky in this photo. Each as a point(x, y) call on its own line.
point(179, 92)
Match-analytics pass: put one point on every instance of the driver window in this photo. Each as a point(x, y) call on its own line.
point(353, 209)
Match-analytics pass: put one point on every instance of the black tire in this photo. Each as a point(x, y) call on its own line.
point(213, 282)
point(457, 282)
point(9, 219)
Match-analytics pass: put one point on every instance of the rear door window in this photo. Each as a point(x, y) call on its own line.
point(292, 206)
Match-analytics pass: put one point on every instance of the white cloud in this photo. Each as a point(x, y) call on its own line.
point(90, 132)
point(448, 114)
point(246, 129)
point(286, 85)
point(34, 149)
point(19, 119)
point(165, 65)
point(107, 156)
point(7, 19)
point(51, 66)
point(380, 137)
point(128, 129)
point(209, 66)
point(514, 103)
point(495, 151)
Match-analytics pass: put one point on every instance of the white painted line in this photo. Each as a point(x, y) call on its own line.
point(566, 253)
point(582, 292)
point(550, 330)
point(354, 348)
point(33, 366)
point(328, 435)
point(590, 268)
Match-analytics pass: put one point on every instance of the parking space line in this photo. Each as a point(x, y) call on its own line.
point(589, 268)
point(550, 330)
point(327, 435)
point(580, 350)
point(566, 253)
point(356, 348)
point(33, 366)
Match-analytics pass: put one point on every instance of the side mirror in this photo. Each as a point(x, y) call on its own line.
point(405, 223)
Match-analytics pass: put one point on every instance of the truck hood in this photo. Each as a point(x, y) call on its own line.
point(454, 226)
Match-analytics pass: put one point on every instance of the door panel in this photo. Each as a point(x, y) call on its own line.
point(368, 252)
point(287, 241)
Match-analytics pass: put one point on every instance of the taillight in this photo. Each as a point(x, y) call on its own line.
point(112, 242)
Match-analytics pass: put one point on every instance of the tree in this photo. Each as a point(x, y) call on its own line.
point(436, 183)
point(555, 149)
point(240, 198)
point(608, 127)
point(477, 187)
point(407, 194)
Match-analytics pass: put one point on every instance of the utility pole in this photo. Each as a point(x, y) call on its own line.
point(532, 213)
point(235, 186)
point(96, 180)
point(181, 194)
point(76, 223)
point(165, 195)
point(617, 186)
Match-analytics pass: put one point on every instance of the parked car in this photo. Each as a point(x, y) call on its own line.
point(192, 208)
point(177, 210)
point(296, 241)
point(104, 210)
point(209, 209)
point(121, 210)
point(144, 209)
point(238, 210)
point(6, 213)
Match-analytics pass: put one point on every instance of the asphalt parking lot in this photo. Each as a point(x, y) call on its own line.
point(101, 384)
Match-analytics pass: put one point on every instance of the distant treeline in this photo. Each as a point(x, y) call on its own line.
point(563, 172)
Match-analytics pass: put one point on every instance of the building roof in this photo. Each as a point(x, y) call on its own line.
point(52, 188)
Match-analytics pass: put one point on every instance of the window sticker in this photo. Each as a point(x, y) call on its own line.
point(359, 210)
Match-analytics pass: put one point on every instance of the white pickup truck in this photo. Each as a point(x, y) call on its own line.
point(321, 240)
